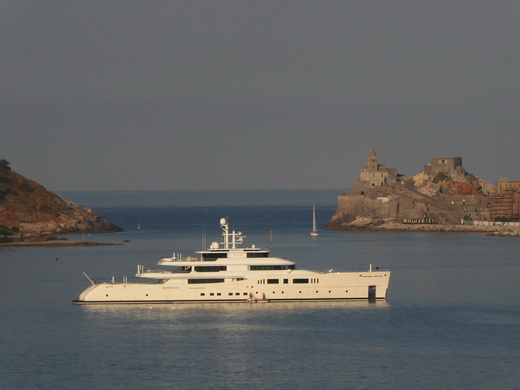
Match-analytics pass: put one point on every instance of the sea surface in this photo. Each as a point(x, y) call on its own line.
point(452, 319)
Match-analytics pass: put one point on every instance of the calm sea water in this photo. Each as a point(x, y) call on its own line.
point(452, 320)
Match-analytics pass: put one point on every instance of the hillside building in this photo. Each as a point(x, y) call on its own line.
point(444, 193)
point(374, 174)
point(506, 204)
point(444, 165)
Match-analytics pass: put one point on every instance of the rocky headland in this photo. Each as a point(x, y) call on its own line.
point(31, 213)
point(443, 197)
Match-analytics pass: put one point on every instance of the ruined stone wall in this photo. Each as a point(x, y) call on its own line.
point(445, 164)
point(360, 205)
point(402, 205)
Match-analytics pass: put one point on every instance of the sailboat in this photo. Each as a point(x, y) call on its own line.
point(314, 232)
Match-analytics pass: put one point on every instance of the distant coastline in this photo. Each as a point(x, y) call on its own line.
point(53, 243)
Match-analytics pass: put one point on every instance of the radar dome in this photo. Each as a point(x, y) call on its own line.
point(223, 221)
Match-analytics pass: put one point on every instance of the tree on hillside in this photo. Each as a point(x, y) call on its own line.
point(4, 164)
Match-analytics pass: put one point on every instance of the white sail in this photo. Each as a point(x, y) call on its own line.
point(314, 232)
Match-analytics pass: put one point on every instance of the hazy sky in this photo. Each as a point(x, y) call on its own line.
point(122, 95)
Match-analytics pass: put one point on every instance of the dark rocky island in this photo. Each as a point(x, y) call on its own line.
point(31, 213)
point(441, 197)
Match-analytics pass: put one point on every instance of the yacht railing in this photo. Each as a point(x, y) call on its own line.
point(142, 271)
point(179, 259)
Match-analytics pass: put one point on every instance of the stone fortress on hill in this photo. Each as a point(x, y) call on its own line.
point(442, 194)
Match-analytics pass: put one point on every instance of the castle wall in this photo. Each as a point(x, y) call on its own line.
point(360, 205)
point(445, 164)
point(443, 194)
point(399, 208)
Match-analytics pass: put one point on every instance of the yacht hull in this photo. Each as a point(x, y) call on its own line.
point(337, 286)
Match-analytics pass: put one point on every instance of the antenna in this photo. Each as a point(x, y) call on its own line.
point(90, 280)
point(203, 236)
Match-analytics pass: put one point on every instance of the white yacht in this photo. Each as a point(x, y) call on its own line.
point(227, 272)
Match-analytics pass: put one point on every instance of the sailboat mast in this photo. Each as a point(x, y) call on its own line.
point(314, 232)
point(313, 218)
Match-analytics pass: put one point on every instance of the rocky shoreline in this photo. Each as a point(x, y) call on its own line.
point(436, 199)
point(53, 244)
point(370, 225)
point(31, 213)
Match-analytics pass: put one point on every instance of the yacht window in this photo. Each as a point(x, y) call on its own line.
point(300, 280)
point(272, 281)
point(214, 256)
point(285, 281)
point(210, 268)
point(269, 267)
point(197, 281)
point(257, 254)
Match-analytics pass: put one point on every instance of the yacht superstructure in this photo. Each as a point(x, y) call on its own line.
point(226, 272)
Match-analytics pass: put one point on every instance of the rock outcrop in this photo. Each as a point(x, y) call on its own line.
point(443, 193)
point(28, 211)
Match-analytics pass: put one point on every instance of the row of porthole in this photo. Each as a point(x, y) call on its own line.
point(274, 292)
point(219, 294)
point(212, 294)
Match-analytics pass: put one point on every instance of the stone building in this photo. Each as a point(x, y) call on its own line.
point(443, 193)
point(374, 174)
point(506, 204)
point(444, 165)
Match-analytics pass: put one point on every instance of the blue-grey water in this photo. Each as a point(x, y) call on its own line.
point(452, 319)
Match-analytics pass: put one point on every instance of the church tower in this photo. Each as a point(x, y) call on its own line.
point(372, 161)
point(374, 174)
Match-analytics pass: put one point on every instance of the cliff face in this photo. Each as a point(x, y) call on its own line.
point(28, 211)
point(442, 193)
